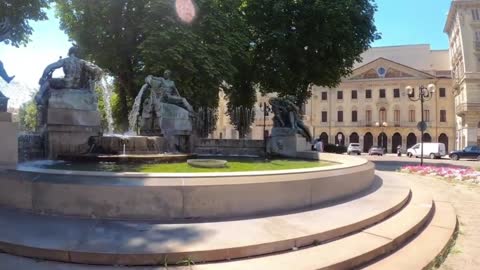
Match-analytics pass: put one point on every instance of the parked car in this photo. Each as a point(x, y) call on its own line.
point(431, 150)
point(470, 152)
point(354, 148)
point(376, 150)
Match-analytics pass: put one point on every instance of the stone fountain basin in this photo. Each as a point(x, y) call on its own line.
point(183, 197)
point(207, 163)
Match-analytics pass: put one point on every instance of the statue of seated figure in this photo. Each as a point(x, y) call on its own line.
point(165, 91)
point(79, 74)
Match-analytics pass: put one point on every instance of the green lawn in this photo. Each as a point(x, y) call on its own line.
point(235, 166)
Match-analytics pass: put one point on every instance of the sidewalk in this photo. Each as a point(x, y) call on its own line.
point(465, 255)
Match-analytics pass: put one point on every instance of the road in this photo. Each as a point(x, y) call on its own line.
point(391, 162)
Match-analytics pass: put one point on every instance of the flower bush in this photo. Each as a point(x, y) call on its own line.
point(456, 173)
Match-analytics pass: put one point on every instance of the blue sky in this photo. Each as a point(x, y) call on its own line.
point(400, 22)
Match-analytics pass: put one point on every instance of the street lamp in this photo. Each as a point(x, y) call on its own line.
point(266, 110)
point(382, 125)
point(424, 94)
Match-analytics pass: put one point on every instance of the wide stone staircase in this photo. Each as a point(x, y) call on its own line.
point(392, 225)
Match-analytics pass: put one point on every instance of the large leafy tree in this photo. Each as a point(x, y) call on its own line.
point(199, 53)
point(15, 17)
point(109, 33)
point(301, 42)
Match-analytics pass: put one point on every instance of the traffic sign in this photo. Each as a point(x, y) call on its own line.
point(422, 126)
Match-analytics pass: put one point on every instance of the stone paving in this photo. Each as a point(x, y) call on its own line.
point(466, 199)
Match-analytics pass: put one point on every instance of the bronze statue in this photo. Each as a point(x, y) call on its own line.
point(79, 74)
point(4, 74)
point(165, 90)
point(287, 114)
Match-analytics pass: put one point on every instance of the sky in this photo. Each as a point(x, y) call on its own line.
point(400, 22)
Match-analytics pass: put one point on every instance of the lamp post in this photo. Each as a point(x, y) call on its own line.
point(424, 94)
point(382, 125)
point(266, 111)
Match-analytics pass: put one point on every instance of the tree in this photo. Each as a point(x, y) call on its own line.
point(15, 15)
point(305, 42)
point(109, 33)
point(199, 53)
point(27, 115)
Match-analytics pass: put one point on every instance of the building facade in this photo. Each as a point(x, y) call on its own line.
point(371, 106)
point(463, 30)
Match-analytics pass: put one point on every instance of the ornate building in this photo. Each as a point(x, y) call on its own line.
point(463, 29)
point(372, 107)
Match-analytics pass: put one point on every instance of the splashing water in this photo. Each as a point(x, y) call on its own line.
point(135, 112)
point(107, 95)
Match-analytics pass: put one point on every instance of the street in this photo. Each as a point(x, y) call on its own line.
point(390, 162)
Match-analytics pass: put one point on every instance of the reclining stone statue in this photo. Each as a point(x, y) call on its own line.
point(287, 115)
point(166, 91)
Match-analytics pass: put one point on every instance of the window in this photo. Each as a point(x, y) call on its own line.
point(368, 117)
point(339, 95)
point(324, 116)
point(412, 94)
point(354, 94)
point(383, 115)
point(411, 115)
point(368, 93)
point(324, 95)
point(396, 93)
point(443, 115)
point(354, 116)
point(382, 93)
point(340, 116)
point(443, 92)
point(426, 115)
point(477, 36)
point(396, 116)
point(475, 14)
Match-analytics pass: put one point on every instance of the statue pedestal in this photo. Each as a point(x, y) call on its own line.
point(72, 117)
point(170, 121)
point(286, 142)
point(9, 141)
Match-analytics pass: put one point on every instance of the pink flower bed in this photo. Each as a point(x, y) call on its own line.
point(457, 173)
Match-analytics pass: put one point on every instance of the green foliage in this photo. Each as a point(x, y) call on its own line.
point(19, 13)
point(297, 43)
point(27, 115)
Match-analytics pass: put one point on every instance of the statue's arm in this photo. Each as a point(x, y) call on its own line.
point(49, 70)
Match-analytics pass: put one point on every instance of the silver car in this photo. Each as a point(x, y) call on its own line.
point(354, 148)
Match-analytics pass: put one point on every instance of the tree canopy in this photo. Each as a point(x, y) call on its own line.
point(240, 46)
point(16, 14)
point(297, 43)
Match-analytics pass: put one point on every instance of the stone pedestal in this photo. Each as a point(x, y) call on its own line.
point(8, 141)
point(170, 121)
point(72, 117)
point(286, 142)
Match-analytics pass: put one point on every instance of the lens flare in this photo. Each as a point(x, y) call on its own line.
point(185, 10)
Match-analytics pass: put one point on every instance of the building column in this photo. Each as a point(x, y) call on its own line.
point(471, 129)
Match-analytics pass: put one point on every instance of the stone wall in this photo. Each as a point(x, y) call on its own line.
point(229, 147)
point(31, 146)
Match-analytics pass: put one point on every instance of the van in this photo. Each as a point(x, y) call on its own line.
point(431, 150)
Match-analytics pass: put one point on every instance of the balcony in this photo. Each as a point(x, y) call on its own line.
point(476, 45)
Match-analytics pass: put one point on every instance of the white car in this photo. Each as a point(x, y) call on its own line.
point(354, 148)
point(431, 150)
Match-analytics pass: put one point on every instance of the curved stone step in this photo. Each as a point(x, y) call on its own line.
point(421, 252)
point(348, 252)
point(145, 243)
